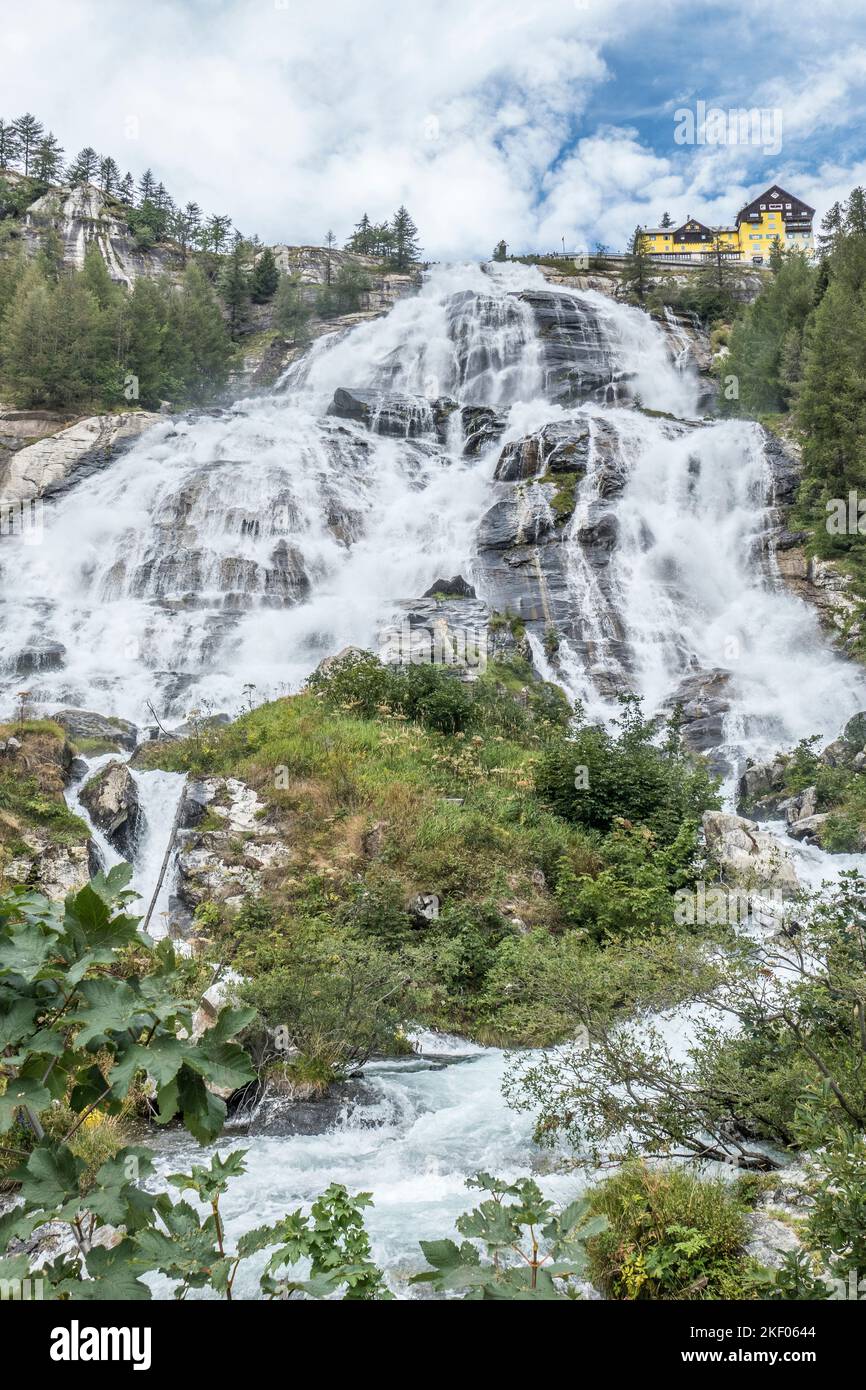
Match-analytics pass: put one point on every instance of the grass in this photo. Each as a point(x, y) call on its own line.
point(31, 790)
point(328, 778)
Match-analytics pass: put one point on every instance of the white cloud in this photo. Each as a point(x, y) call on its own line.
point(473, 112)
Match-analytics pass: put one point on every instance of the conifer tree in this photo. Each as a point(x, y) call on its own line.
point(146, 187)
point(48, 164)
point(667, 220)
point(10, 147)
point(635, 272)
point(109, 176)
point(265, 277)
point(291, 311)
point(29, 132)
point(207, 349)
point(126, 189)
point(234, 286)
point(405, 240)
point(84, 166)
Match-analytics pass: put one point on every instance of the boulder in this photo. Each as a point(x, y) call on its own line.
point(760, 788)
point(225, 864)
point(53, 464)
point(800, 807)
point(387, 413)
point(748, 857)
point(482, 426)
point(111, 799)
point(83, 725)
point(560, 447)
point(808, 828)
point(456, 587)
point(703, 704)
point(513, 521)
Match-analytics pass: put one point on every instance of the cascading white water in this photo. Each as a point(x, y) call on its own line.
point(233, 551)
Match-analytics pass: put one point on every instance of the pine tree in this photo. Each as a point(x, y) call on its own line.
point(146, 187)
point(500, 251)
point(234, 286)
point(149, 357)
point(84, 166)
point(667, 220)
point(126, 189)
point(10, 146)
point(109, 176)
point(13, 264)
point(265, 277)
point(361, 240)
point(186, 225)
point(291, 311)
point(855, 215)
point(330, 243)
point(197, 323)
point(635, 272)
point(217, 229)
point(50, 257)
point(832, 225)
point(50, 337)
point(29, 132)
point(405, 234)
point(48, 166)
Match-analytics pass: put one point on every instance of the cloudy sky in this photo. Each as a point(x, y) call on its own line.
point(489, 118)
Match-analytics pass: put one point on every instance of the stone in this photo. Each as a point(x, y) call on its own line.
point(808, 828)
point(770, 1240)
point(111, 800)
point(81, 724)
point(51, 465)
point(748, 857)
point(424, 907)
point(456, 587)
point(387, 413)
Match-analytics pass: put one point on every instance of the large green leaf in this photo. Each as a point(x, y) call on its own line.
point(21, 1091)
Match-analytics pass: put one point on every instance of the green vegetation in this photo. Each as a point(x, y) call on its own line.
point(390, 783)
point(670, 1234)
point(798, 352)
point(32, 807)
point(394, 242)
point(75, 339)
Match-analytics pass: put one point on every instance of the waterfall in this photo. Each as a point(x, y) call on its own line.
point(237, 548)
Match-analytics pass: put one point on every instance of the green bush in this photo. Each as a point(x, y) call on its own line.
point(670, 1235)
point(595, 778)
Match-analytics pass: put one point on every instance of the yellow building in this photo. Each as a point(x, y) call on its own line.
point(772, 214)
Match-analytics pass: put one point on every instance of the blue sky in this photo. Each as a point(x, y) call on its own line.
point(489, 118)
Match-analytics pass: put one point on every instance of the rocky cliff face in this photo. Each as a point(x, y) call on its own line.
point(82, 217)
point(51, 465)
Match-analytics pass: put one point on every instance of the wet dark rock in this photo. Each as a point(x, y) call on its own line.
point(482, 426)
point(513, 522)
point(785, 471)
point(84, 724)
point(703, 704)
point(577, 362)
point(456, 587)
point(41, 656)
point(402, 416)
point(560, 447)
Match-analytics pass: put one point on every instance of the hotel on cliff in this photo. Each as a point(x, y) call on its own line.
point(773, 214)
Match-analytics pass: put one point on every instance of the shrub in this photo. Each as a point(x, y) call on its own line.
point(671, 1235)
